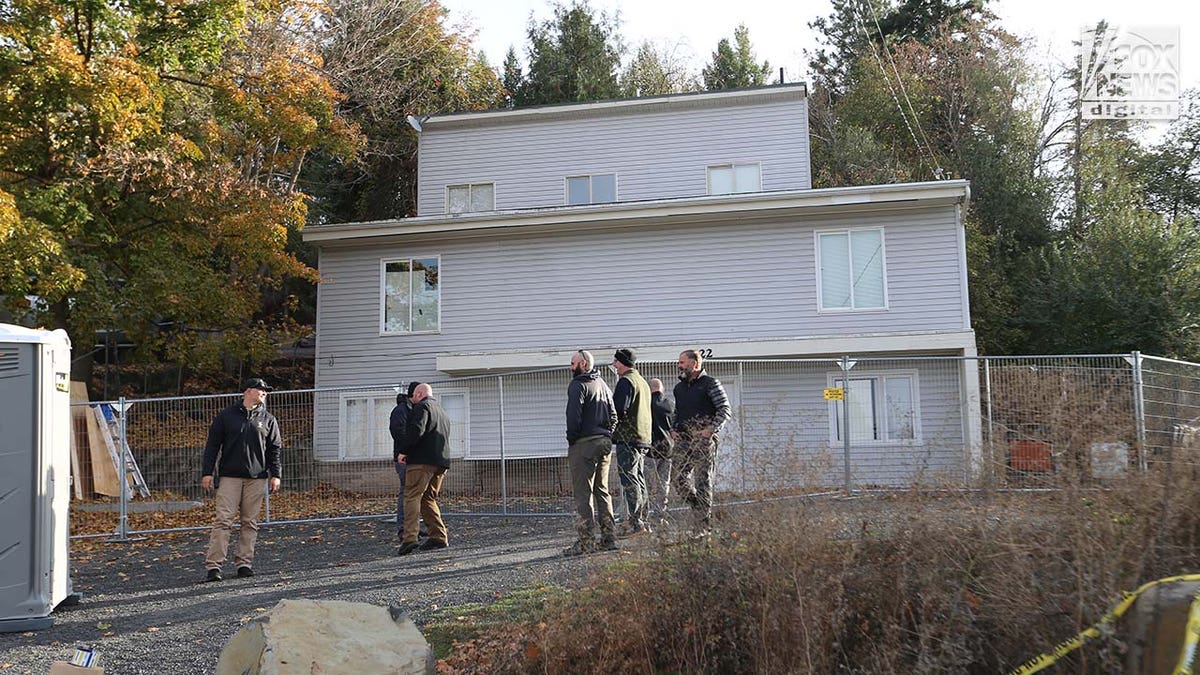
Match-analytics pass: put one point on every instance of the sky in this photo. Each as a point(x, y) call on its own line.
point(780, 34)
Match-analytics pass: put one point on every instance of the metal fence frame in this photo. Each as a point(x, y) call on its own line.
point(1149, 405)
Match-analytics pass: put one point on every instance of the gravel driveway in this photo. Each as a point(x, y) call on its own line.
point(146, 611)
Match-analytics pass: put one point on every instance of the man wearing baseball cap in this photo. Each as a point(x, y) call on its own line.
point(243, 450)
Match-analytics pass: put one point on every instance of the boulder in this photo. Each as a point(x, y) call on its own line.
point(1157, 626)
point(306, 637)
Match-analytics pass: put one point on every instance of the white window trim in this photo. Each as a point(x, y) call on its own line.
point(733, 167)
point(383, 262)
point(370, 395)
point(469, 186)
point(589, 176)
point(918, 435)
point(821, 308)
point(466, 423)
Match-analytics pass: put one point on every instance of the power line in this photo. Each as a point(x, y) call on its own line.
point(931, 163)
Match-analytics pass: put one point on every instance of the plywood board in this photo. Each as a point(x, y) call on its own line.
point(78, 433)
point(104, 469)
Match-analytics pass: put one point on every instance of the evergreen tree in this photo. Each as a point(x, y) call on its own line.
point(574, 56)
point(734, 66)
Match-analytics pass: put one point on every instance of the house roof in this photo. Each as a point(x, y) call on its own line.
point(608, 108)
point(709, 209)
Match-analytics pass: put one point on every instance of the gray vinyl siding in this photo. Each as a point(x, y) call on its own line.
point(567, 290)
point(655, 155)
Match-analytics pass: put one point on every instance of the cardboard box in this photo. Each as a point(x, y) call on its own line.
point(64, 668)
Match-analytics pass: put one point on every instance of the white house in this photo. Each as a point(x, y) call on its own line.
point(660, 223)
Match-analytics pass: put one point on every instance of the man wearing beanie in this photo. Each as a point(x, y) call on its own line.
point(631, 438)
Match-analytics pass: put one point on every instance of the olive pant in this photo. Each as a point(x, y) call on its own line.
point(589, 459)
point(693, 459)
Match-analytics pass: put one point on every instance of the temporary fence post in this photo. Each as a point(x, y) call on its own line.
point(123, 472)
point(846, 366)
point(1139, 407)
point(741, 423)
point(990, 467)
point(503, 468)
point(267, 503)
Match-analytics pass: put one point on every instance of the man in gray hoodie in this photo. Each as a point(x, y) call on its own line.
point(591, 418)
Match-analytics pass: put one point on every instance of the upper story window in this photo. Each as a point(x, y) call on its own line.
point(412, 296)
point(599, 188)
point(724, 179)
point(851, 273)
point(470, 197)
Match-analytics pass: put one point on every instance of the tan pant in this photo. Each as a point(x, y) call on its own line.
point(234, 496)
point(422, 485)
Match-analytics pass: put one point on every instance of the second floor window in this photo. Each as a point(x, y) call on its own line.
point(725, 179)
point(595, 189)
point(851, 274)
point(470, 197)
point(412, 295)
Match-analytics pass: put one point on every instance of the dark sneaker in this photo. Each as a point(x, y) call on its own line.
point(609, 544)
point(581, 547)
point(408, 547)
point(245, 571)
point(430, 544)
point(213, 575)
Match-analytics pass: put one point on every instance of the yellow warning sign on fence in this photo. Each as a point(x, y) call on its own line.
point(835, 394)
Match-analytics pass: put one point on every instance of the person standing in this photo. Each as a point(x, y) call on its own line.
point(631, 438)
point(701, 410)
point(591, 418)
point(398, 427)
point(242, 461)
point(658, 460)
point(427, 443)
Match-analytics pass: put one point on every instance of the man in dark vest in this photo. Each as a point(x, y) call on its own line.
point(427, 455)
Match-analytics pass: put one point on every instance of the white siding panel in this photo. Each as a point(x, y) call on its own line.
point(698, 284)
point(655, 155)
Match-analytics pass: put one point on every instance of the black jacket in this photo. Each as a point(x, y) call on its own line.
point(662, 412)
point(398, 425)
point(701, 404)
point(246, 442)
point(428, 439)
point(590, 410)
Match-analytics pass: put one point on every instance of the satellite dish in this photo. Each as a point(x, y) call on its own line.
point(414, 122)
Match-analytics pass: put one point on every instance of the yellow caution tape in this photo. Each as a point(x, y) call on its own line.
point(1188, 655)
point(1043, 661)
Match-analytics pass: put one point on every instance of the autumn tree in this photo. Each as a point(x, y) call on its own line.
point(657, 69)
point(149, 160)
point(573, 56)
point(391, 59)
point(735, 65)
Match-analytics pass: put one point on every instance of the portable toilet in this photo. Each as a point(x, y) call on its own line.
point(35, 476)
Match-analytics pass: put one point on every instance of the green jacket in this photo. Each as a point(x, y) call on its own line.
point(631, 397)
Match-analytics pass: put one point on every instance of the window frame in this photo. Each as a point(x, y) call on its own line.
point(880, 377)
point(470, 188)
point(732, 166)
point(371, 396)
point(383, 263)
point(591, 189)
point(465, 392)
point(821, 308)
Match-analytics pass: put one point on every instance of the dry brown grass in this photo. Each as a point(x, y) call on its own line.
point(913, 583)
